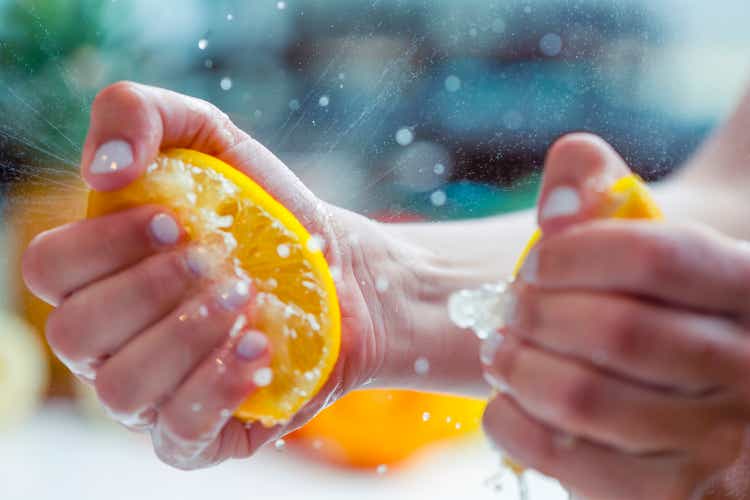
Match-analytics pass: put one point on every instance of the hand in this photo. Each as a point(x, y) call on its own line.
point(623, 367)
point(127, 286)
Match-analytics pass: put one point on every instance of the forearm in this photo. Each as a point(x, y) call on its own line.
point(713, 185)
point(407, 272)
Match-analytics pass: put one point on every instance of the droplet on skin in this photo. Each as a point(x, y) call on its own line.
point(225, 413)
point(381, 469)
point(381, 284)
point(196, 407)
point(335, 273)
point(279, 444)
point(317, 444)
point(203, 311)
point(316, 243)
point(238, 325)
point(421, 366)
point(262, 377)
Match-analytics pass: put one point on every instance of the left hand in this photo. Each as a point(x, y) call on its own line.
point(623, 367)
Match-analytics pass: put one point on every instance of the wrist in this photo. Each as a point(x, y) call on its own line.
point(405, 286)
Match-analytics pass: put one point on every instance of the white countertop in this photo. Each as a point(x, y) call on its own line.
point(58, 455)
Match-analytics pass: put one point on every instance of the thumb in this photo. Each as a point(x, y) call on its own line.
point(579, 169)
point(130, 123)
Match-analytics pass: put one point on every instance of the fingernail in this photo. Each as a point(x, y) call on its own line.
point(562, 201)
point(111, 157)
point(528, 272)
point(164, 229)
point(252, 346)
point(234, 294)
point(488, 348)
point(199, 260)
point(496, 382)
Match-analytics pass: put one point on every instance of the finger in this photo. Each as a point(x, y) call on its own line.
point(165, 354)
point(130, 123)
point(60, 261)
point(578, 170)
point(588, 469)
point(688, 266)
point(194, 416)
point(656, 345)
point(122, 305)
point(587, 402)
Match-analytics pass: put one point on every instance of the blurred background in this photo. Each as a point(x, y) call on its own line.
point(398, 109)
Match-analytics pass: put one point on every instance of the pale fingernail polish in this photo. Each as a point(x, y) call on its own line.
point(530, 268)
point(112, 157)
point(496, 382)
point(252, 346)
point(562, 201)
point(164, 229)
point(234, 294)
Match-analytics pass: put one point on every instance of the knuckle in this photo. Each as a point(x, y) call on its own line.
point(122, 94)
point(114, 391)
point(655, 259)
point(542, 453)
point(623, 332)
point(32, 265)
point(60, 336)
point(157, 278)
point(39, 269)
point(580, 399)
point(524, 311)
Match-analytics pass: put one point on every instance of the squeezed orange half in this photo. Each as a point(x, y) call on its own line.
point(255, 237)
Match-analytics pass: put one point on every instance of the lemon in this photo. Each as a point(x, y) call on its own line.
point(373, 427)
point(23, 370)
point(255, 237)
point(626, 198)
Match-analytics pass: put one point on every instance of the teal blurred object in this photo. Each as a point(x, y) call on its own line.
point(468, 200)
point(47, 52)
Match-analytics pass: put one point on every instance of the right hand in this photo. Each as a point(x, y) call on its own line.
point(121, 283)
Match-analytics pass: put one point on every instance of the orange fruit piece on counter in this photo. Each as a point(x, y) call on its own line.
point(373, 427)
point(252, 236)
